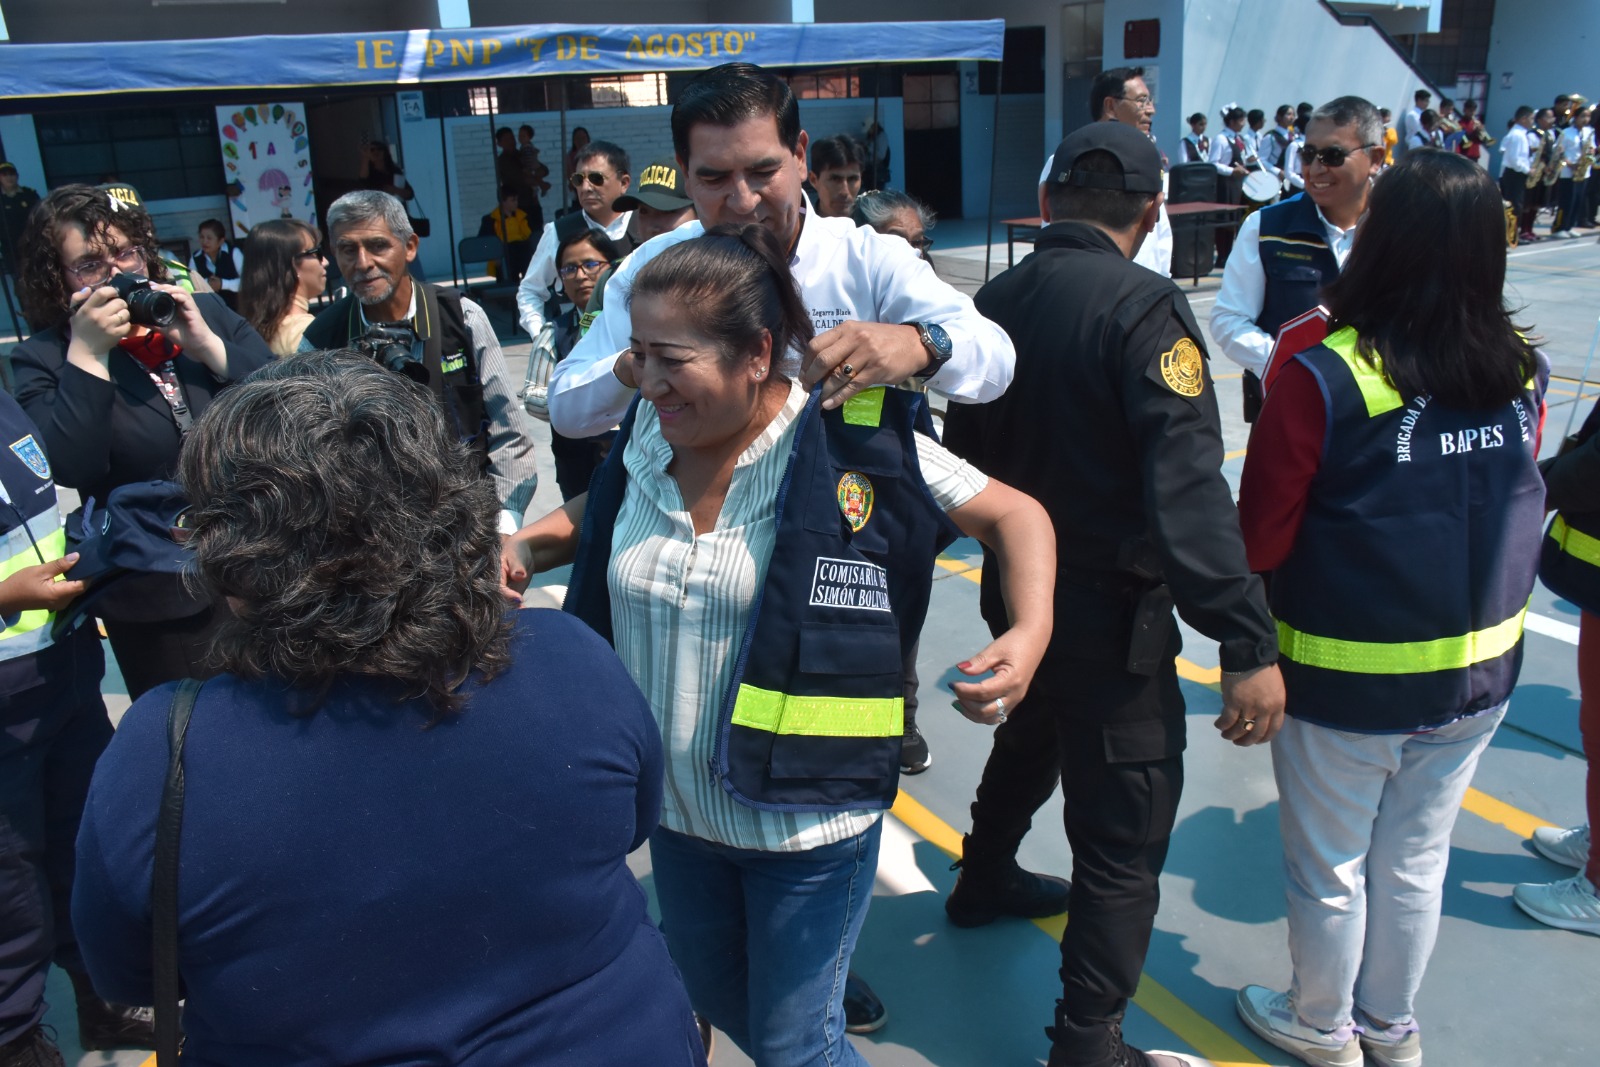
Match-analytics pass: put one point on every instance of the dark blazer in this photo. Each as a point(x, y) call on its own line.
point(101, 434)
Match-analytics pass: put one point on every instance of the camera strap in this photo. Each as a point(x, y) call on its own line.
point(170, 387)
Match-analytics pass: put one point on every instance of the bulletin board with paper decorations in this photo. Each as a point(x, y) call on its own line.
point(266, 157)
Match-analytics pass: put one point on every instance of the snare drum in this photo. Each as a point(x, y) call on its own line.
point(1260, 189)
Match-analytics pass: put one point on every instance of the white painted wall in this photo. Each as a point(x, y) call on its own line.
point(1169, 73)
point(1548, 47)
point(1256, 52)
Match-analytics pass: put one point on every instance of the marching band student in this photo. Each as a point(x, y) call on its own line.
point(1276, 141)
point(1196, 145)
point(1575, 148)
point(1516, 157)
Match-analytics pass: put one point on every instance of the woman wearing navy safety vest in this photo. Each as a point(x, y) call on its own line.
point(1391, 492)
point(762, 567)
point(1569, 566)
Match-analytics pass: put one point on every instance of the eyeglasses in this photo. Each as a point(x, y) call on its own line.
point(310, 253)
point(1330, 157)
point(593, 177)
point(96, 271)
point(587, 266)
point(1139, 101)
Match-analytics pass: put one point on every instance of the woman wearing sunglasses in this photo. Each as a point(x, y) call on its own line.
point(1391, 495)
point(113, 396)
point(1287, 252)
point(285, 272)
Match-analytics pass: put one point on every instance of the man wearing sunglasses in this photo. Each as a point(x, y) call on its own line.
point(1284, 254)
point(601, 174)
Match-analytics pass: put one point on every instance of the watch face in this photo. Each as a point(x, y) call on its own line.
point(938, 339)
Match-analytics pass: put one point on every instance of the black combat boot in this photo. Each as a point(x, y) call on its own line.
point(102, 1025)
point(992, 885)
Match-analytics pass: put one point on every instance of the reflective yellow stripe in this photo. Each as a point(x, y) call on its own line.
point(1379, 395)
point(785, 713)
point(1401, 657)
point(52, 546)
point(1575, 543)
point(865, 408)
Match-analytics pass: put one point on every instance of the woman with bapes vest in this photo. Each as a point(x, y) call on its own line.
point(763, 567)
point(1391, 495)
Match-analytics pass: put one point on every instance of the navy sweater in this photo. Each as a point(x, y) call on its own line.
point(356, 889)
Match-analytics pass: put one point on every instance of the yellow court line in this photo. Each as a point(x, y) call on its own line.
point(1206, 1037)
point(1235, 454)
point(1227, 377)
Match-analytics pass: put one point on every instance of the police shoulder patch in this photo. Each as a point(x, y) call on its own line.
point(29, 452)
point(855, 499)
point(1183, 369)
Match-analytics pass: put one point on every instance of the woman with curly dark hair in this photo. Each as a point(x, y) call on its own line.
point(407, 816)
point(114, 398)
point(287, 269)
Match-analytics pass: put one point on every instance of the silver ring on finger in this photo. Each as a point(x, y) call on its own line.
point(999, 709)
point(1249, 724)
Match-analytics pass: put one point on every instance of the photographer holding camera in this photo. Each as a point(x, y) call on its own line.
point(434, 336)
point(120, 366)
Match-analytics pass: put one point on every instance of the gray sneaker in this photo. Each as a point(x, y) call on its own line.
point(1570, 848)
point(1272, 1016)
point(1395, 1045)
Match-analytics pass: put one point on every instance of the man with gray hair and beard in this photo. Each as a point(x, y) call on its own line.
point(432, 335)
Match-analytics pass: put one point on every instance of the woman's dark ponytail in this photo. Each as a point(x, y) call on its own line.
point(736, 284)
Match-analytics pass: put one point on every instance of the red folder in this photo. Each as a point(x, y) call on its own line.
point(1304, 331)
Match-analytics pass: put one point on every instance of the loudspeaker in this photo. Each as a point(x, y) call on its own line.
point(1192, 183)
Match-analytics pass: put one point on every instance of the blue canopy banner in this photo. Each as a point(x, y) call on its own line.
point(437, 56)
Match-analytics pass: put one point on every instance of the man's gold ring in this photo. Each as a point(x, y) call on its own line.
point(1249, 724)
point(847, 370)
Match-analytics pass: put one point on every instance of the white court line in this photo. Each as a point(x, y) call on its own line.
point(1556, 245)
point(1544, 624)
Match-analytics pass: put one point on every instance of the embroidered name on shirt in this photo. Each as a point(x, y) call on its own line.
point(844, 583)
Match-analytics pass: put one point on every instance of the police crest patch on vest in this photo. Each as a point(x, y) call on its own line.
point(855, 499)
point(29, 452)
point(1182, 368)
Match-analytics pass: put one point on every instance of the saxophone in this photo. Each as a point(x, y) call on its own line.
point(1586, 155)
point(1537, 159)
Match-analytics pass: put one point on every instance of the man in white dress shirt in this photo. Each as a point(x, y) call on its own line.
point(600, 176)
point(1345, 141)
point(743, 154)
point(1411, 121)
point(1516, 158)
point(1121, 95)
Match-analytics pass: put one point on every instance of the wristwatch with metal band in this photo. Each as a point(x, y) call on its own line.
point(937, 342)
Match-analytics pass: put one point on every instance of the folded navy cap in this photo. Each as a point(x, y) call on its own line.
point(120, 544)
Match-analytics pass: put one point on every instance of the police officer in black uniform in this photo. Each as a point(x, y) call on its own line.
point(1112, 425)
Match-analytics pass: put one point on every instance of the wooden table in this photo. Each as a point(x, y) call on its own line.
point(1020, 230)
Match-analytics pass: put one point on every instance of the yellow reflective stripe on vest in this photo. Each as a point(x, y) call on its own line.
point(865, 408)
point(52, 546)
point(1401, 657)
point(785, 713)
point(1575, 543)
point(1379, 395)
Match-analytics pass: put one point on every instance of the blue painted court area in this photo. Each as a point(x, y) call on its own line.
point(1501, 989)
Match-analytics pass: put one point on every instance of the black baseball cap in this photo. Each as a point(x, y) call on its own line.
point(12, 167)
point(659, 186)
point(1141, 163)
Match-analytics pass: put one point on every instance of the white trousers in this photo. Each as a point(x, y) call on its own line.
point(1366, 821)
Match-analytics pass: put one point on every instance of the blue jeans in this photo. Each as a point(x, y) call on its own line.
point(764, 939)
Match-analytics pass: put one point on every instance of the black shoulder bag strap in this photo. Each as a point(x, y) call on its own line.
point(164, 879)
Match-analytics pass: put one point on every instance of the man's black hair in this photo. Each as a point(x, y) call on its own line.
point(525, 126)
point(837, 151)
point(1522, 112)
point(504, 131)
point(1114, 209)
point(728, 95)
point(1112, 82)
point(613, 154)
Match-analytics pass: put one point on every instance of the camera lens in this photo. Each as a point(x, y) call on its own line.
point(146, 306)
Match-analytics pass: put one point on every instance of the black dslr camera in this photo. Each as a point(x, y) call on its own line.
point(146, 306)
point(392, 346)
